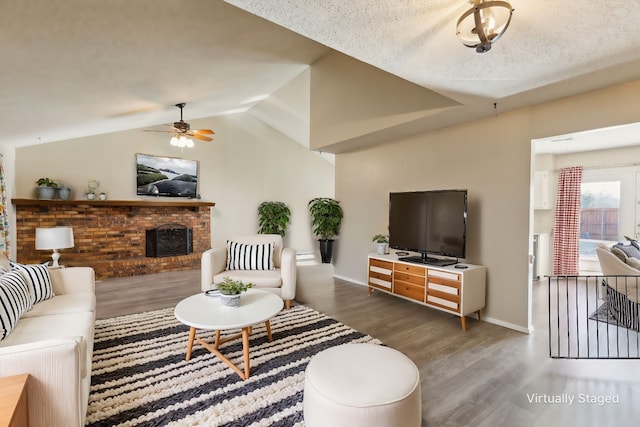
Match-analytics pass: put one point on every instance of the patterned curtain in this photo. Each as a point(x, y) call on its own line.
point(4, 219)
point(566, 226)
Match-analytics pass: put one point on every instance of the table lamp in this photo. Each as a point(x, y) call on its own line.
point(54, 238)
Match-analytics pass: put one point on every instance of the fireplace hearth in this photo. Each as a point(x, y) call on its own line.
point(169, 240)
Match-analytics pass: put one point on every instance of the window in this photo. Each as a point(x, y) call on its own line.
point(607, 212)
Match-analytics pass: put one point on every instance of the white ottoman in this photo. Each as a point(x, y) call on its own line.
point(362, 385)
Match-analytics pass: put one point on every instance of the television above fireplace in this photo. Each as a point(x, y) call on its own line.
point(166, 176)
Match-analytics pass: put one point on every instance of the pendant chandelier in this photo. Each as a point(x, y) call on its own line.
point(483, 24)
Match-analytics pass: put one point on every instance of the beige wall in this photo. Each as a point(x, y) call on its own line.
point(248, 162)
point(490, 157)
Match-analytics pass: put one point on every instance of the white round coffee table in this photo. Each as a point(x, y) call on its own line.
point(204, 312)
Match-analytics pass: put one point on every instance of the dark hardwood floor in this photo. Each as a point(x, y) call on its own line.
point(487, 376)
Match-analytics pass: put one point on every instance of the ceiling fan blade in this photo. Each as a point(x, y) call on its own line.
point(154, 130)
point(205, 131)
point(202, 137)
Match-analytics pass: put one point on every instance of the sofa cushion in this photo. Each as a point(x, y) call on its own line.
point(260, 279)
point(634, 262)
point(71, 325)
point(619, 253)
point(14, 301)
point(64, 303)
point(243, 256)
point(38, 279)
point(629, 250)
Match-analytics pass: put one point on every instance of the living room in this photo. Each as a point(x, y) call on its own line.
point(252, 160)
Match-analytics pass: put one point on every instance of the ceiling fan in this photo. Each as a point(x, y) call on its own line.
point(182, 128)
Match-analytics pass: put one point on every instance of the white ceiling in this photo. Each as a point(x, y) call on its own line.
point(73, 68)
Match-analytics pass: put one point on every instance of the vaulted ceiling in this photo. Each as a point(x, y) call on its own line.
point(72, 68)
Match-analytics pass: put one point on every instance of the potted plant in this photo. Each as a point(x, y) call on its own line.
point(382, 242)
point(273, 218)
point(64, 192)
point(230, 291)
point(92, 186)
point(46, 188)
point(326, 217)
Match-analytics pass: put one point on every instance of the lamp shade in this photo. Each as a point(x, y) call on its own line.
point(54, 238)
point(483, 24)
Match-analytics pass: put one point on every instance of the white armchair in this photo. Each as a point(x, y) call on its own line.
point(281, 280)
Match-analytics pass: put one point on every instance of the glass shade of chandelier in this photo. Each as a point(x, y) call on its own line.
point(181, 141)
point(483, 24)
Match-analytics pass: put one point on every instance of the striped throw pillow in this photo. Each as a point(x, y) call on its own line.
point(38, 280)
point(14, 301)
point(242, 256)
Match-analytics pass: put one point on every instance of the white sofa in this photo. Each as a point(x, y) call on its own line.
point(281, 280)
point(53, 342)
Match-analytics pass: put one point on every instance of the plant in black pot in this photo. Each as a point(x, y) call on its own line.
point(273, 218)
point(326, 217)
point(230, 291)
point(46, 188)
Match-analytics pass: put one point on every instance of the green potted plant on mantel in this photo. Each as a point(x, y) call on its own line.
point(230, 291)
point(382, 242)
point(273, 218)
point(326, 217)
point(46, 188)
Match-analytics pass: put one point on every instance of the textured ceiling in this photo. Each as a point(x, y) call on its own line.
point(73, 68)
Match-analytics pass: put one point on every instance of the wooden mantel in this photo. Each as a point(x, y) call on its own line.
point(190, 203)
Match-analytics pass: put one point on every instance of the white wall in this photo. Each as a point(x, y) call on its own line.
point(247, 163)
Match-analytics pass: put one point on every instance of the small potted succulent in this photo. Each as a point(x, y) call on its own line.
point(230, 291)
point(382, 242)
point(46, 188)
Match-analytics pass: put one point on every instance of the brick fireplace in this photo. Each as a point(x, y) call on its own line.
point(110, 236)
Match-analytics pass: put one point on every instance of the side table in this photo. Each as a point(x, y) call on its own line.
point(13, 401)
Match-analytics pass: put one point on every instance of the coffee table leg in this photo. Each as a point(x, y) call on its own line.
point(216, 344)
point(245, 348)
point(192, 335)
point(268, 325)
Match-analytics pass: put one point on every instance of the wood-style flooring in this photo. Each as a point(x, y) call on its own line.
point(487, 376)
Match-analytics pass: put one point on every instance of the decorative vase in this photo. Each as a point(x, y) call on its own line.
point(102, 196)
point(230, 300)
point(64, 193)
point(91, 196)
point(382, 248)
point(46, 193)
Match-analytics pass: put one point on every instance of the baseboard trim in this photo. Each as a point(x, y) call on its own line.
point(491, 320)
point(507, 325)
point(350, 280)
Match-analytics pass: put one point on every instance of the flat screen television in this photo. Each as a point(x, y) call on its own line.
point(429, 222)
point(166, 176)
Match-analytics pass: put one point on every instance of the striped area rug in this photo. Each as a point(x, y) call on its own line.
point(140, 377)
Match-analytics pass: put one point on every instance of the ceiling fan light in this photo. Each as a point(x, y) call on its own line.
point(174, 141)
point(483, 24)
